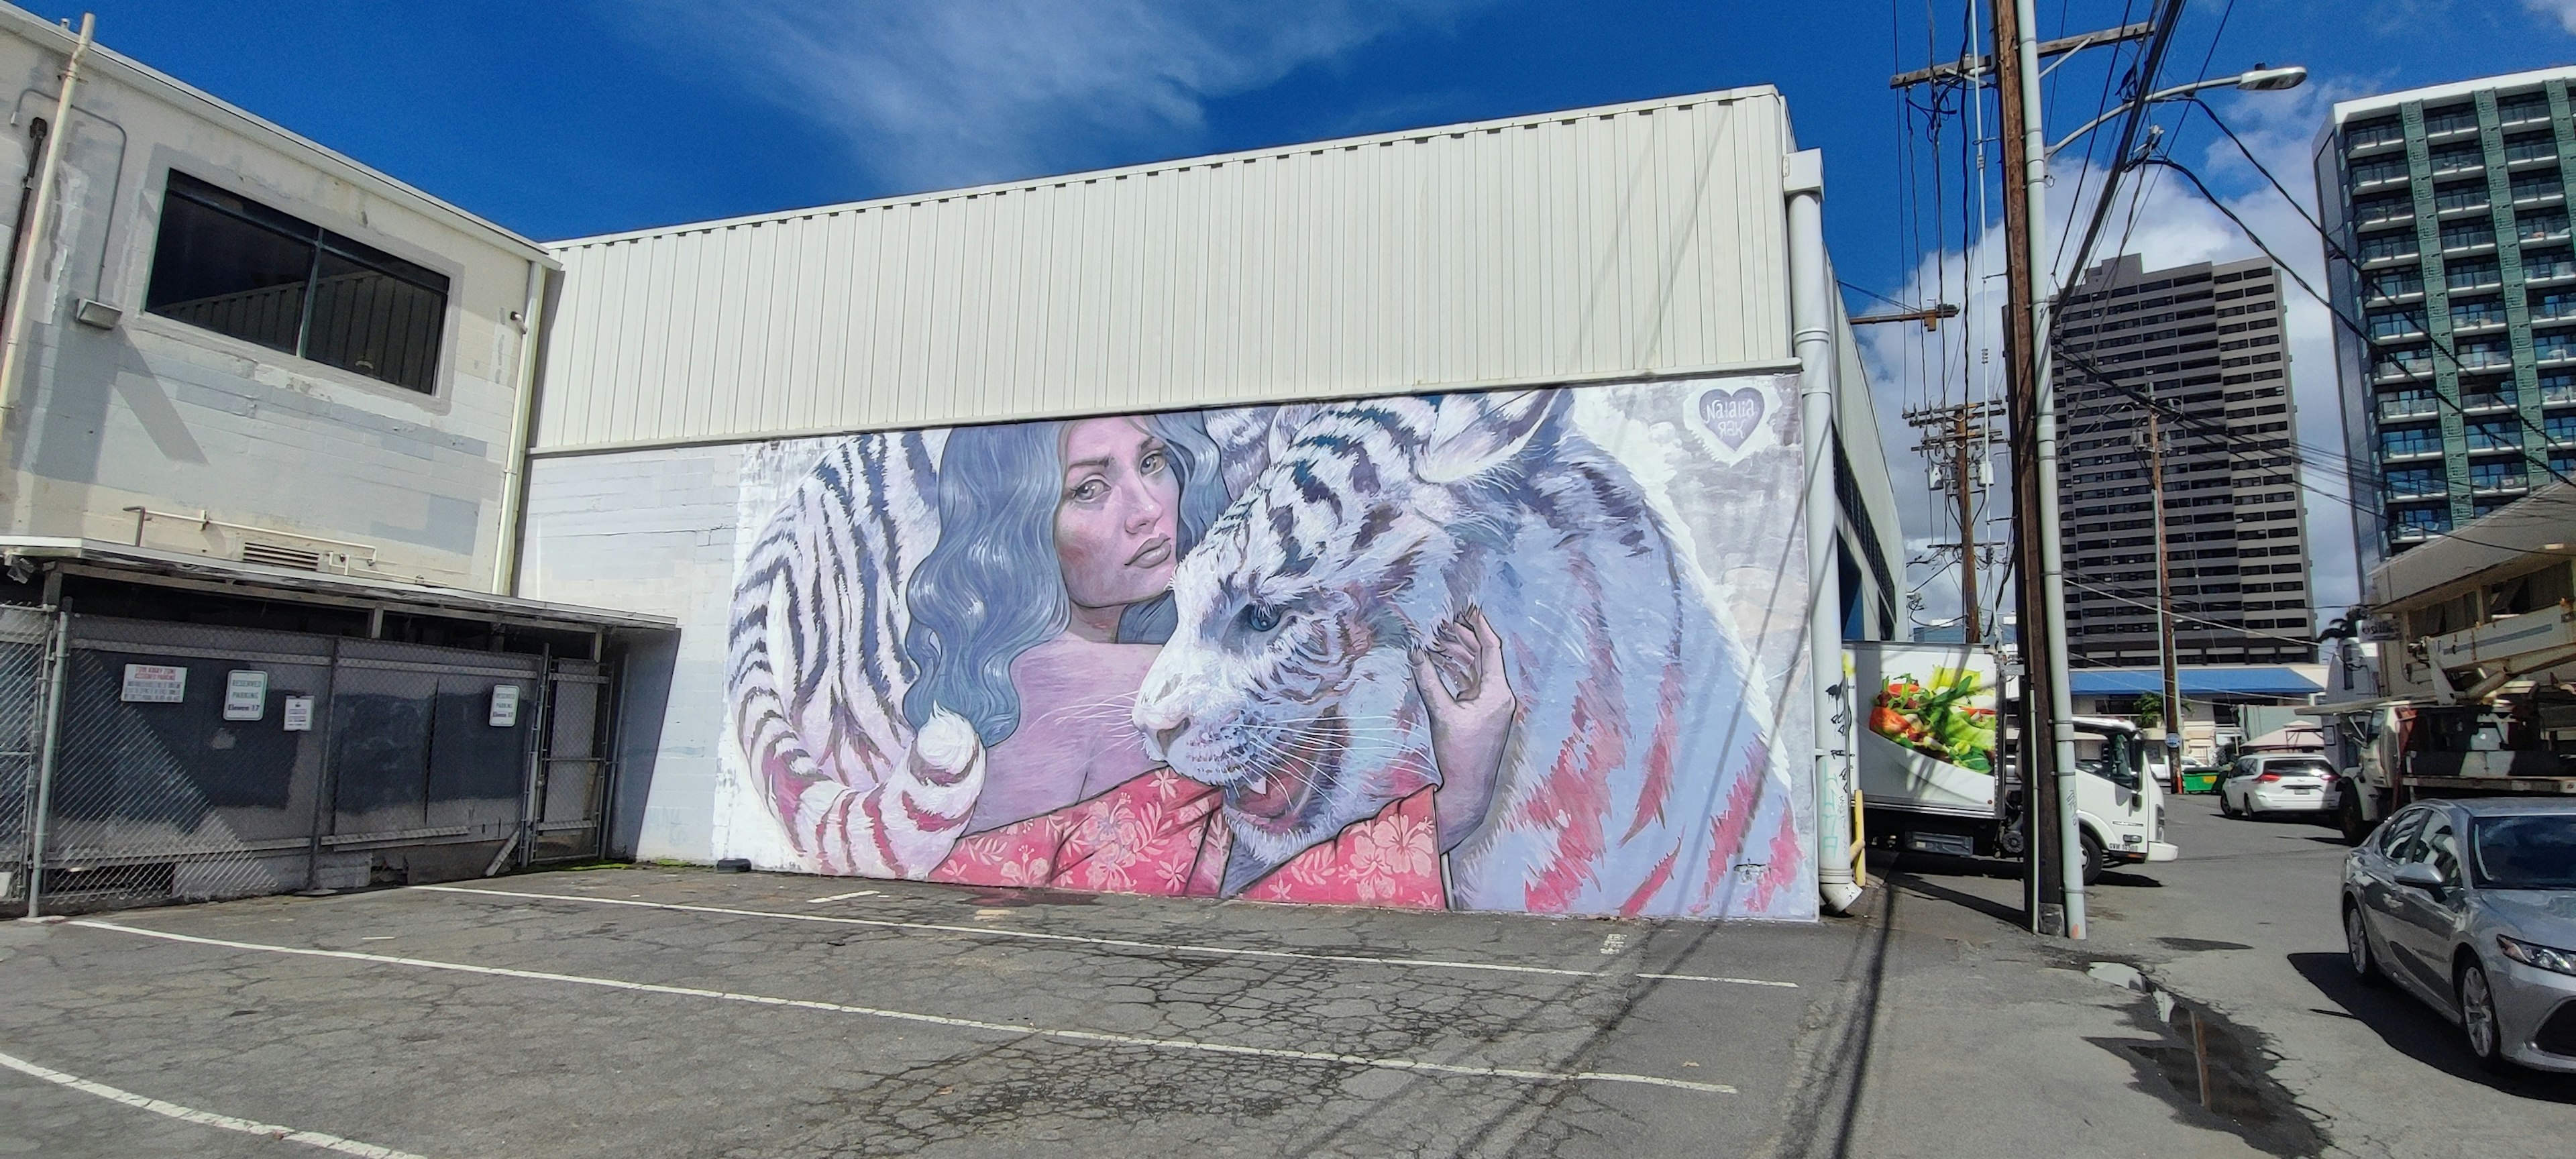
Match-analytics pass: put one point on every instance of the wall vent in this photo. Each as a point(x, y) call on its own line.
point(272, 555)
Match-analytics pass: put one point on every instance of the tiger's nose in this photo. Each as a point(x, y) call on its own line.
point(1165, 738)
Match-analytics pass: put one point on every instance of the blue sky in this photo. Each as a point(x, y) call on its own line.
point(561, 118)
point(571, 117)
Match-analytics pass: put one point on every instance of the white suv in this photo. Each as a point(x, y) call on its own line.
point(2277, 783)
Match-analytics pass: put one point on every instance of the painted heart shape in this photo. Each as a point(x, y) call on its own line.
point(1732, 415)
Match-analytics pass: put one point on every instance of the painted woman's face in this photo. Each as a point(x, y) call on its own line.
point(1117, 532)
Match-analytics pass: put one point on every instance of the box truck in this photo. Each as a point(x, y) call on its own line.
point(1928, 751)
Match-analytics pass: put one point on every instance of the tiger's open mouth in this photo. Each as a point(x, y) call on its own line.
point(1293, 770)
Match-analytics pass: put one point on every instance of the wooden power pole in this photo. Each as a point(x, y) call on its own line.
point(2044, 895)
point(1958, 434)
point(2164, 595)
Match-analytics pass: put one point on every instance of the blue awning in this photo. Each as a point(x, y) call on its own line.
point(2196, 680)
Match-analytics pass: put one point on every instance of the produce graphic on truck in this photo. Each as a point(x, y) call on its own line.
point(1951, 719)
point(1932, 782)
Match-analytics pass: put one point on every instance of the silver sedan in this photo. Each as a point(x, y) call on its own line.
point(2471, 905)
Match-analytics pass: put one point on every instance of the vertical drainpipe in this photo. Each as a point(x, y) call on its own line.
point(1811, 316)
point(31, 251)
point(514, 473)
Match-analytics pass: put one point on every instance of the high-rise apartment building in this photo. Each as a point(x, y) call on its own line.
point(2205, 340)
point(2447, 213)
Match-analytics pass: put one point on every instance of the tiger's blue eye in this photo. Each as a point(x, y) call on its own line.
point(1259, 618)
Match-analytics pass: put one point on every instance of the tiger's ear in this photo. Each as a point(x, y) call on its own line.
point(1475, 433)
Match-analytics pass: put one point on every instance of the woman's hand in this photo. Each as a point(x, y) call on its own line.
point(1461, 679)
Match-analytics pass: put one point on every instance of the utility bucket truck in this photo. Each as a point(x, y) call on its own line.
point(1926, 747)
point(2484, 711)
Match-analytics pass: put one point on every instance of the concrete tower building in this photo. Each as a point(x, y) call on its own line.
point(2205, 339)
point(2447, 211)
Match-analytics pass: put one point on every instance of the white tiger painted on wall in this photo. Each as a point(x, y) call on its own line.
point(1640, 781)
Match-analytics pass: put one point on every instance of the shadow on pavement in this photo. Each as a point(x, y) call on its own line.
point(2417, 1032)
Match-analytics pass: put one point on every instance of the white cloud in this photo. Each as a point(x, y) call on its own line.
point(2171, 226)
point(2563, 10)
point(950, 92)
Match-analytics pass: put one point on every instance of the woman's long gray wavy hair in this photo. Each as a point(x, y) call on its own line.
point(992, 588)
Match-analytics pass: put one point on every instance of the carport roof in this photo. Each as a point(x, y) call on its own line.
point(206, 573)
point(2196, 680)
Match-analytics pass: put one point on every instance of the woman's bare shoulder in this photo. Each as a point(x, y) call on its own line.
point(1071, 670)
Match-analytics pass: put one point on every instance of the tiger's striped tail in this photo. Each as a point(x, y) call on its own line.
point(816, 673)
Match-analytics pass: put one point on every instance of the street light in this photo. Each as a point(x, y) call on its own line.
point(2258, 79)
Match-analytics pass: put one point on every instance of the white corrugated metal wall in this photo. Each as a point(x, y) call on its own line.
point(1642, 238)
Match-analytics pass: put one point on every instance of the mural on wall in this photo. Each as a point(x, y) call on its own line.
point(1529, 650)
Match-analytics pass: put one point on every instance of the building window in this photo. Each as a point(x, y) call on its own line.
point(2458, 158)
point(2385, 207)
point(2417, 483)
point(2472, 275)
point(2394, 284)
point(2382, 246)
point(2402, 323)
point(2477, 312)
point(2423, 519)
point(236, 267)
point(2547, 225)
point(2496, 476)
point(2560, 429)
point(2495, 435)
point(2368, 133)
point(2537, 187)
point(2460, 235)
point(2526, 107)
point(2450, 120)
point(2486, 354)
point(2553, 263)
point(2410, 441)
point(2530, 147)
point(2388, 168)
point(2465, 195)
point(2552, 346)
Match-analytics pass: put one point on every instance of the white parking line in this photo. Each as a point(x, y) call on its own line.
point(1121, 943)
point(1088, 1036)
point(204, 1118)
point(841, 896)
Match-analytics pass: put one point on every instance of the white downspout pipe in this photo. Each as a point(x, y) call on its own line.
point(514, 473)
point(1811, 317)
point(13, 344)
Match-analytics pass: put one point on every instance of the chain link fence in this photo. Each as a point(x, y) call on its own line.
point(191, 762)
point(26, 635)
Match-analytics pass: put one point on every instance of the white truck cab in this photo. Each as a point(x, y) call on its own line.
point(2119, 804)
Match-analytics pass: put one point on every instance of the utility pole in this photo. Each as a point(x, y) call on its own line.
point(2164, 595)
point(2054, 893)
point(2052, 907)
point(1958, 433)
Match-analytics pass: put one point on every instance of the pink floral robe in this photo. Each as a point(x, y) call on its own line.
point(1163, 834)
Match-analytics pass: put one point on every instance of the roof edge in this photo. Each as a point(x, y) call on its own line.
point(1211, 160)
point(2381, 102)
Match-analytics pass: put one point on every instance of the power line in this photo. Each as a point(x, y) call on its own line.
point(2348, 321)
point(2237, 629)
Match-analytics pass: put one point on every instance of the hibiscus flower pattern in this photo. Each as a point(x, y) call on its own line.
point(1161, 835)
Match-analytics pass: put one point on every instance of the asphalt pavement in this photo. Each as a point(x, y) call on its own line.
point(654, 1011)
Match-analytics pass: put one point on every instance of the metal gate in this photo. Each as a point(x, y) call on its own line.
point(190, 762)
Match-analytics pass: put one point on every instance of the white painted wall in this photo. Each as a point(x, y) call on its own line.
point(162, 414)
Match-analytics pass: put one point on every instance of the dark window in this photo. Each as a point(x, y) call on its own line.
point(237, 267)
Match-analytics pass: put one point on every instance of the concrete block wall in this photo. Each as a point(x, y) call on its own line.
point(657, 532)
